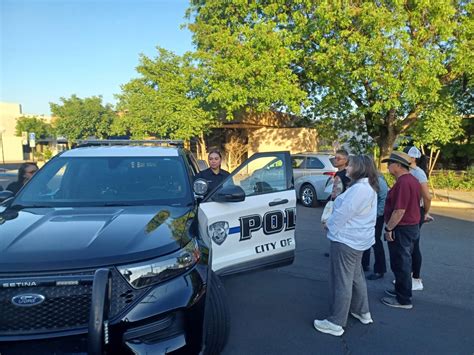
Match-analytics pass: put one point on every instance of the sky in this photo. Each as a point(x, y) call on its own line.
point(56, 48)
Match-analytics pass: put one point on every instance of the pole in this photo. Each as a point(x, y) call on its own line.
point(3, 153)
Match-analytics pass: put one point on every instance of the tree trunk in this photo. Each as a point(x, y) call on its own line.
point(201, 142)
point(387, 136)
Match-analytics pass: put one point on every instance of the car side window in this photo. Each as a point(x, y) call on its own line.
point(192, 163)
point(314, 163)
point(262, 175)
point(297, 162)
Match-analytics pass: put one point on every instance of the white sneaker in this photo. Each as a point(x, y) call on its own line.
point(365, 318)
point(328, 327)
point(416, 284)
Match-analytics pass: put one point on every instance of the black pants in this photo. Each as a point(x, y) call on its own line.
point(380, 266)
point(401, 250)
point(416, 256)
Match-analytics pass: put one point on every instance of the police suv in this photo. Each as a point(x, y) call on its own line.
point(112, 248)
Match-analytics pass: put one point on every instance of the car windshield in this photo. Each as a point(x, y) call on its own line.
point(108, 181)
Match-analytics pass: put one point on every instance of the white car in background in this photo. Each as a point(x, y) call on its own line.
point(305, 164)
point(312, 190)
point(313, 174)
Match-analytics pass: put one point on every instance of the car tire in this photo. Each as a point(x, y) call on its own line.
point(217, 318)
point(308, 196)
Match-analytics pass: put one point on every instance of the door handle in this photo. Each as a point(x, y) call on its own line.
point(278, 202)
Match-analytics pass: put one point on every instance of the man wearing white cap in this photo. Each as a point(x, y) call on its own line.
point(417, 169)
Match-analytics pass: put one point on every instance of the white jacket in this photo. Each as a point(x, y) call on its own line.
point(352, 221)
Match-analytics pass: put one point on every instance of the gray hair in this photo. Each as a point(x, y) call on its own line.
point(363, 166)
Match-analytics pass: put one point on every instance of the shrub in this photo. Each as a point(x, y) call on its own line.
point(446, 179)
point(449, 179)
point(47, 153)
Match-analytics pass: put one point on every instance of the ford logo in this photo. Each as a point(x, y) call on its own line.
point(28, 300)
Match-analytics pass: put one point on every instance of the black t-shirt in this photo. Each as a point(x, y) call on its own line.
point(212, 179)
point(15, 187)
point(345, 180)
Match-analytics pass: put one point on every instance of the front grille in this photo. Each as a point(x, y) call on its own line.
point(64, 308)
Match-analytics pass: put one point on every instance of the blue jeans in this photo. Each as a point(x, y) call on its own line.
point(401, 259)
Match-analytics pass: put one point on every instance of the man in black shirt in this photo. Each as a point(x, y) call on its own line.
point(340, 179)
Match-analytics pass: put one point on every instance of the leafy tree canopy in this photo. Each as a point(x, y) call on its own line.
point(165, 101)
point(371, 67)
point(78, 118)
point(247, 58)
point(37, 125)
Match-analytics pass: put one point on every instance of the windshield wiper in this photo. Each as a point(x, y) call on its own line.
point(116, 204)
point(22, 207)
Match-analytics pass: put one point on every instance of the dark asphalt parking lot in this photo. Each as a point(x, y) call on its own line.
point(272, 311)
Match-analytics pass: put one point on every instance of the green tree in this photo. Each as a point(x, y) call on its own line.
point(78, 118)
point(371, 67)
point(40, 127)
point(165, 101)
point(247, 59)
point(436, 127)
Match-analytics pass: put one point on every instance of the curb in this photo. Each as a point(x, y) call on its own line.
point(451, 204)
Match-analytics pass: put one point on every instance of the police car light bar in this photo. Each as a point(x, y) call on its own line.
point(158, 142)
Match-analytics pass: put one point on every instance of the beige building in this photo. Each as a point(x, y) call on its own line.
point(271, 131)
point(11, 146)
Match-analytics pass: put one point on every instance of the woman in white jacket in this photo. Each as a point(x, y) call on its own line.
point(351, 230)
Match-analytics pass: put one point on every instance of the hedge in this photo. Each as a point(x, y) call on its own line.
point(446, 179)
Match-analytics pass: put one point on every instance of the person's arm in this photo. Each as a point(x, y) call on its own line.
point(426, 196)
point(354, 200)
point(336, 187)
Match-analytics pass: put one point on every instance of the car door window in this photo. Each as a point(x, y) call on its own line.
point(314, 163)
point(262, 175)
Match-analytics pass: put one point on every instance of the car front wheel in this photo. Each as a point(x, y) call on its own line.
point(308, 196)
point(217, 322)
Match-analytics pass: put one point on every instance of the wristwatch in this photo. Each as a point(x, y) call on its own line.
point(388, 230)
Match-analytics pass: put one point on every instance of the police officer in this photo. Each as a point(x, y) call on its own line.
point(214, 175)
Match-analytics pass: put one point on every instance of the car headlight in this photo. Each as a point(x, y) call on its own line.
point(161, 269)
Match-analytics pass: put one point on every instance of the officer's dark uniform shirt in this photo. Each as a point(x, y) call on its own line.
point(15, 187)
point(212, 179)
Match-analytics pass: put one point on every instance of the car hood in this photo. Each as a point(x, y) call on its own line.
point(44, 239)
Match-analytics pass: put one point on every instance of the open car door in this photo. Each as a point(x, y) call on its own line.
point(250, 218)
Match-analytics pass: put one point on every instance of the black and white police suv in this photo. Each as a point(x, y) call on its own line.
point(111, 248)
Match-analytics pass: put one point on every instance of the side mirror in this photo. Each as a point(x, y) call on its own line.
point(200, 187)
point(229, 193)
point(5, 195)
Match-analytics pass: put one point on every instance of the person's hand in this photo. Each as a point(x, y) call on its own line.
point(324, 226)
point(389, 237)
point(428, 218)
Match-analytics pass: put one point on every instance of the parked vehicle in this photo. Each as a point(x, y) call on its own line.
point(113, 249)
point(6, 177)
point(305, 164)
point(312, 190)
point(313, 172)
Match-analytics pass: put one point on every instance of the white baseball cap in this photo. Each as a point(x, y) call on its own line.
point(414, 152)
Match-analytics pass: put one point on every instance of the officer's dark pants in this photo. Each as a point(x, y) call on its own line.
point(400, 259)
